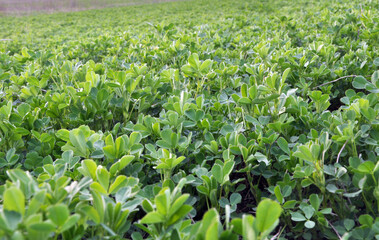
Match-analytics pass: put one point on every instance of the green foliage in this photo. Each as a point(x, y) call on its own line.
point(173, 121)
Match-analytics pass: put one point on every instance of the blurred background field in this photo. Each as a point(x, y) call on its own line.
point(21, 7)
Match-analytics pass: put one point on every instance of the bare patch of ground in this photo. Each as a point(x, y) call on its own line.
point(25, 7)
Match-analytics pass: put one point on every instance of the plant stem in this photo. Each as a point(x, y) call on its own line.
point(368, 205)
point(336, 80)
point(250, 180)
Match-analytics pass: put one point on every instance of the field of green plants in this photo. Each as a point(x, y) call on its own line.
point(191, 120)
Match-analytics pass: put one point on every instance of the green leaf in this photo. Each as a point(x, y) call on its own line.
point(162, 202)
point(268, 212)
point(174, 140)
point(22, 131)
point(306, 182)
point(166, 135)
point(43, 226)
point(285, 74)
point(235, 199)
point(315, 201)
point(23, 109)
point(91, 213)
point(201, 189)
point(248, 231)
point(308, 211)
point(366, 220)
point(360, 82)
point(366, 167)
point(125, 160)
point(117, 184)
point(58, 214)
point(289, 204)
point(349, 224)
point(209, 217)
point(244, 100)
point(178, 203)
point(71, 221)
point(326, 211)
point(188, 70)
point(227, 169)
point(14, 200)
point(12, 220)
point(98, 204)
point(331, 188)
point(152, 217)
point(304, 153)
point(179, 214)
point(147, 206)
point(309, 224)
point(89, 168)
point(205, 66)
point(191, 114)
point(178, 161)
point(103, 177)
point(78, 140)
point(283, 144)
point(212, 231)
point(297, 217)
point(163, 144)
point(36, 202)
point(63, 134)
point(237, 225)
point(375, 78)
point(217, 173)
point(98, 187)
point(193, 60)
point(278, 194)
